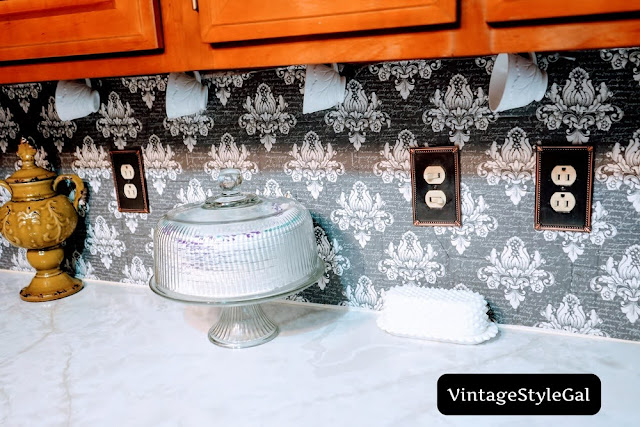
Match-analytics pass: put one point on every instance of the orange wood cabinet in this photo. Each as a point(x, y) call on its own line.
point(31, 29)
point(523, 10)
point(224, 21)
point(187, 35)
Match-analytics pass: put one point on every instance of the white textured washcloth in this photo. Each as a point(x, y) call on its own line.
point(449, 315)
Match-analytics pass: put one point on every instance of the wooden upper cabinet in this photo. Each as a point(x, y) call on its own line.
point(232, 20)
point(31, 29)
point(523, 10)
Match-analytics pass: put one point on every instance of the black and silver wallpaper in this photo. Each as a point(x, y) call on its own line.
point(350, 167)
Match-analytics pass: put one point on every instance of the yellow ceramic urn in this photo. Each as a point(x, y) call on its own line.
point(39, 220)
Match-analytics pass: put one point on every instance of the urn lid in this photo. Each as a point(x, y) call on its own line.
point(29, 171)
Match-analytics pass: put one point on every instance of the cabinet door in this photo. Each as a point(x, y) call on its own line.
point(229, 20)
point(32, 29)
point(523, 10)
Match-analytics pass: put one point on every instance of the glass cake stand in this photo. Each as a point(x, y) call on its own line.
point(243, 323)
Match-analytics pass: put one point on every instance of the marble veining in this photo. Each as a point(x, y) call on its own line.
point(120, 355)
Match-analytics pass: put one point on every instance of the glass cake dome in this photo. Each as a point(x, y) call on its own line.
point(234, 247)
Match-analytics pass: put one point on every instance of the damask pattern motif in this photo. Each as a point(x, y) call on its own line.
point(579, 107)
point(570, 317)
point(194, 193)
point(358, 113)
point(395, 165)
point(621, 279)
point(8, 128)
point(24, 92)
point(52, 127)
point(189, 127)
point(513, 163)
point(329, 251)
point(131, 219)
point(118, 121)
point(266, 116)
point(224, 82)
point(91, 163)
point(516, 271)
point(561, 281)
point(103, 241)
point(364, 295)
point(619, 59)
point(313, 164)
point(474, 221)
point(459, 110)
point(624, 169)
point(147, 86)
point(79, 267)
point(136, 273)
point(19, 261)
point(159, 164)
point(362, 212)
point(487, 62)
point(573, 244)
point(228, 155)
point(293, 74)
point(411, 262)
point(404, 72)
point(272, 189)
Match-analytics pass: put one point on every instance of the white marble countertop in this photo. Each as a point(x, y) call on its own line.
point(120, 355)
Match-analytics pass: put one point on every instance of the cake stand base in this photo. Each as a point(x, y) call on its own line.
point(242, 327)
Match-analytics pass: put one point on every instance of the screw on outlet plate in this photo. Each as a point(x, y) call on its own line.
point(564, 178)
point(128, 177)
point(435, 183)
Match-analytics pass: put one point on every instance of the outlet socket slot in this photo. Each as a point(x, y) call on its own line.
point(435, 199)
point(434, 175)
point(563, 175)
point(564, 188)
point(562, 201)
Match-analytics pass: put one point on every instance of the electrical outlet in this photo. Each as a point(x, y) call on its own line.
point(562, 201)
point(435, 199)
point(434, 175)
point(435, 183)
point(563, 175)
point(128, 177)
point(564, 178)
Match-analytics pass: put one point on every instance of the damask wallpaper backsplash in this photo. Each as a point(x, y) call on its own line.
point(349, 166)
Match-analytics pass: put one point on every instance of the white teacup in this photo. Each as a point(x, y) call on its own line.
point(515, 82)
point(186, 95)
point(323, 88)
point(75, 100)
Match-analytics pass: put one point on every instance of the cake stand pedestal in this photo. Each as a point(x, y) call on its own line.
point(243, 323)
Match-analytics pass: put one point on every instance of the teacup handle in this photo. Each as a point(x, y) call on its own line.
point(78, 184)
point(4, 185)
point(196, 74)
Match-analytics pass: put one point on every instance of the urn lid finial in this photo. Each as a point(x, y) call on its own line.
point(29, 172)
point(26, 152)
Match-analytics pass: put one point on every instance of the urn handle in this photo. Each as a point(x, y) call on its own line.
point(76, 181)
point(4, 184)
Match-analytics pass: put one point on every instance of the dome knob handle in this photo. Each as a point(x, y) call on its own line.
point(229, 181)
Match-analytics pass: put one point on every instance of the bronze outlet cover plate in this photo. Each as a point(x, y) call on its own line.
point(448, 158)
